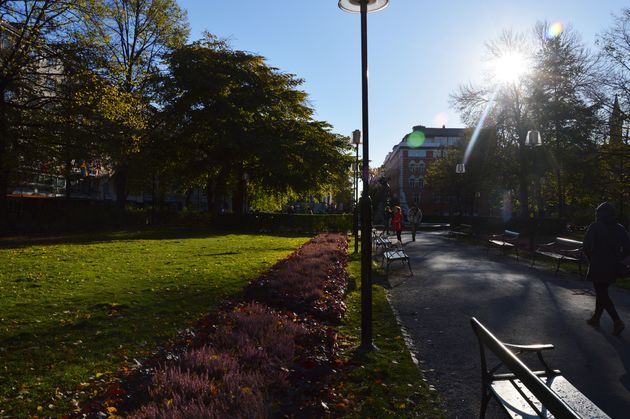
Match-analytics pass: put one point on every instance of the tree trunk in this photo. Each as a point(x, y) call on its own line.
point(210, 187)
point(220, 189)
point(4, 164)
point(120, 182)
point(239, 196)
point(523, 182)
point(67, 173)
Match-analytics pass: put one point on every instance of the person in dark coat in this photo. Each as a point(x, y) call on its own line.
point(606, 244)
point(415, 218)
point(388, 218)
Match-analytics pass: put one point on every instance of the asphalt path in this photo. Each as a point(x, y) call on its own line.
point(453, 281)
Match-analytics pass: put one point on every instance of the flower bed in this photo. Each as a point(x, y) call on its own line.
point(261, 357)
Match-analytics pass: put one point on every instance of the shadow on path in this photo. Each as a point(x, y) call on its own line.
point(453, 282)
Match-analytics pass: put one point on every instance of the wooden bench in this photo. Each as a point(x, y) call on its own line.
point(462, 230)
point(392, 255)
point(504, 241)
point(560, 250)
point(522, 392)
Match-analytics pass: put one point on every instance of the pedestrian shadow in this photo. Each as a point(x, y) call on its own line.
point(622, 346)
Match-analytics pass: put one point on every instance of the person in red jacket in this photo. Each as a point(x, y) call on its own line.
point(397, 221)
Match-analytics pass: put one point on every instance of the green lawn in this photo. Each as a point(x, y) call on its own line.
point(74, 310)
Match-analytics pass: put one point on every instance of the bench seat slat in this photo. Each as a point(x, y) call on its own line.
point(517, 407)
point(501, 243)
point(557, 256)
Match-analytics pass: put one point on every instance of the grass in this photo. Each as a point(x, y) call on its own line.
point(384, 383)
point(76, 309)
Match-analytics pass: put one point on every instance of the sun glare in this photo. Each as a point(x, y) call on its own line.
point(510, 67)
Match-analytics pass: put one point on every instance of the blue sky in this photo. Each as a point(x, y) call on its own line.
point(420, 51)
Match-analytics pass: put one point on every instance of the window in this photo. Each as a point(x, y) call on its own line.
point(416, 198)
point(440, 141)
point(417, 153)
point(453, 141)
point(416, 183)
point(421, 168)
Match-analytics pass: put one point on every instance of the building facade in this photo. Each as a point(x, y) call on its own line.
point(406, 165)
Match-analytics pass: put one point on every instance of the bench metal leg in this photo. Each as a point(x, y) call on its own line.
point(485, 398)
point(533, 260)
point(557, 267)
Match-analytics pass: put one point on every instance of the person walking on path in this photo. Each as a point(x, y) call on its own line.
point(397, 221)
point(387, 219)
point(415, 217)
point(606, 244)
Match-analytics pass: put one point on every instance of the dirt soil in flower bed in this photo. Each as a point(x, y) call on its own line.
point(267, 355)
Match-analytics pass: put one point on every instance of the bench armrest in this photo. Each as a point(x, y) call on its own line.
point(573, 251)
point(530, 348)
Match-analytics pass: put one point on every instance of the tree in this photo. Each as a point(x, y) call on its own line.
point(560, 81)
point(238, 124)
point(614, 69)
point(613, 80)
point(28, 66)
point(502, 107)
point(130, 39)
point(551, 99)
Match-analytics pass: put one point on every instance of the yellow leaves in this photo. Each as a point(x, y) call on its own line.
point(246, 390)
point(214, 390)
point(40, 409)
point(169, 403)
point(112, 410)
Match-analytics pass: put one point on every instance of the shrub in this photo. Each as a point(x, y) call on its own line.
point(313, 281)
point(244, 363)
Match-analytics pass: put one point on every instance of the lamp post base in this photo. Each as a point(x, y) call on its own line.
point(365, 348)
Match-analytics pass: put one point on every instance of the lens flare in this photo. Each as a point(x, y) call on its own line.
point(473, 139)
point(554, 30)
point(506, 208)
point(415, 139)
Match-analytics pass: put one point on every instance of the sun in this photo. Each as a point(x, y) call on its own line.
point(509, 67)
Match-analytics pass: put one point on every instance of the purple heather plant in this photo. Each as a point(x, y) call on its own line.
point(250, 355)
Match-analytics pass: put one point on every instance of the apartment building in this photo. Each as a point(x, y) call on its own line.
point(406, 165)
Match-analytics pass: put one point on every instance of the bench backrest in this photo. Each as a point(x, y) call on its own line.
point(547, 397)
point(569, 242)
point(511, 234)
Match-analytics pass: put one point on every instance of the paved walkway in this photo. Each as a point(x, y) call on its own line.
point(454, 281)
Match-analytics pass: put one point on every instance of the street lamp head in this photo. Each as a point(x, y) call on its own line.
point(533, 139)
point(460, 168)
point(356, 137)
point(355, 5)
